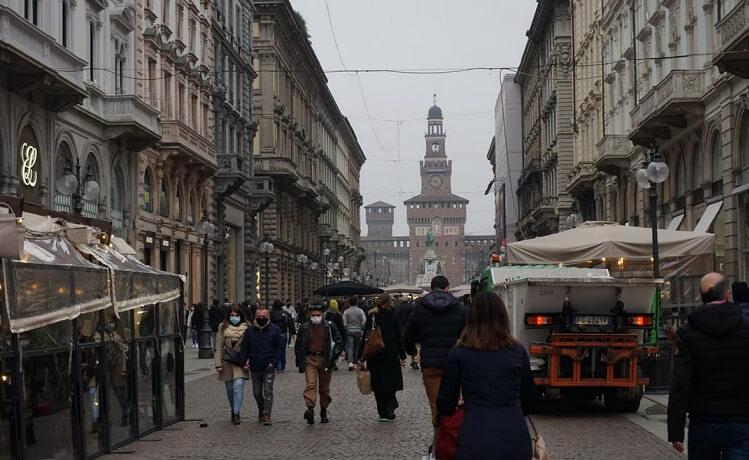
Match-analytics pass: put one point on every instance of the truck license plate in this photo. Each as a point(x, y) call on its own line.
point(592, 320)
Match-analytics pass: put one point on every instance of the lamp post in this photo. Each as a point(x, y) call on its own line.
point(69, 183)
point(654, 171)
point(206, 228)
point(266, 248)
point(326, 254)
point(313, 266)
point(302, 259)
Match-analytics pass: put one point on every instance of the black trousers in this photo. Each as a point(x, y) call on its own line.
point(386, 403)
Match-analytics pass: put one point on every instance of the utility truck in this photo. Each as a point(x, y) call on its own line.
point(583, 329)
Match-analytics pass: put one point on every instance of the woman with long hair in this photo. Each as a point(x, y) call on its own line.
point(385, 368)
point(492, 372)
point(230, 333)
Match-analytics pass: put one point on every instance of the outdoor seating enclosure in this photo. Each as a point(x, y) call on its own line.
point(91, 355)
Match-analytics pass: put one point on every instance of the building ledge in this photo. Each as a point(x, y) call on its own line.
point(733, 32)
point(613, 154)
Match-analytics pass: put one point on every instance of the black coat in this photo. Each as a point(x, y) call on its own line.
point(436, 322)
point(337, 319)
point(710, 377)
point(262, 347)
point(283, 320)
point(215, 317)
point(497, 389)
point(385, 368)
point(404, 312)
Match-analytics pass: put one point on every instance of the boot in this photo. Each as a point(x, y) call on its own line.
point(266, 420)
point(309, 415)
point(235, 419)
point(260, 418)
point(324, 416)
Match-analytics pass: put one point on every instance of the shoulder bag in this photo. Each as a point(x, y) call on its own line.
point(231, 354)
point(373, 344)
point(540, 452)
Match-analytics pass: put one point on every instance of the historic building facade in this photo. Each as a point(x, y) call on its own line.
point(238, 196)
point(76, 115)
point(546, 78)
point(174, 55)
point(436, 213)
point(310, 151)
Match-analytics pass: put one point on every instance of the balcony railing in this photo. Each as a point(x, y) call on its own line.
point(613, 152)
point(133, 117)
point(733, 33)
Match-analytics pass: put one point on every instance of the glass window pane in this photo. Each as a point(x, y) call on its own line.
point(89, 327)
point(145, 321)
point(49, 432)
point(7, 426)
point(716, 169)
point(119, 389)
point(146, 381)
point(91, 368)
point(55, 335)
point(168, 318)
point(169, 379)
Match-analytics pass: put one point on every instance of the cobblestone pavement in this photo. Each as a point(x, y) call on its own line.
point(579, 433)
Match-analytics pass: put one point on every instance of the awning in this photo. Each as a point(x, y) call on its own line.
point(675, 222)
point(134, 283)
point(711, 212)
point(52, 282)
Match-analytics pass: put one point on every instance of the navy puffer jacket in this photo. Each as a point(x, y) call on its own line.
point(435, 323)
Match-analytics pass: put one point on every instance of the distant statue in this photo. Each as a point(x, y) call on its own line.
point(430, 239)
point(439, 268)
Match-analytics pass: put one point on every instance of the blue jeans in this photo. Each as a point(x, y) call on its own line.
point(235, 394)
point(281, 363)
point(353, 340)
point(718, 441)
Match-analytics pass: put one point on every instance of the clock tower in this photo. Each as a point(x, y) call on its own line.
point(436, 211)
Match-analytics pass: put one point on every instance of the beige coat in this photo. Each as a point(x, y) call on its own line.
point(232, 334)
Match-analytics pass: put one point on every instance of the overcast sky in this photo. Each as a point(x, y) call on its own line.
point(420, 34)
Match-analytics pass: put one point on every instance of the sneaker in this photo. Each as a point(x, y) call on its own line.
point(309, 416)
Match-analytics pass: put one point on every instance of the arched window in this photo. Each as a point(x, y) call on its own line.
point(63, 202)
point(681, 177)
point(90, 192)
point(119, 67)
point(147, 191)
point(716, 165)
point(117, 209)
point(178, 205)
point(164, 198)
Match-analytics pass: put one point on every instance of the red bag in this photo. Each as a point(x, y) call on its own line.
point(447, 435)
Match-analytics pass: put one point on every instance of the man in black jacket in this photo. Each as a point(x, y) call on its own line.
point(318, 345)
point(285, 323)
point(710, 379)
point(435, 323)
point(403, 310)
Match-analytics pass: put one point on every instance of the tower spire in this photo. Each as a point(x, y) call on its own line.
point(434, 98)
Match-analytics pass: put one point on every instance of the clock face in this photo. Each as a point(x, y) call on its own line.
point(435, 147)
point(435, 181)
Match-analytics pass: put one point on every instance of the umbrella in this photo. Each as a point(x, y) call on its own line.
point(346, 288)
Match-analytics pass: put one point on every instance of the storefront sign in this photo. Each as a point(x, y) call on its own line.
point(28, 160)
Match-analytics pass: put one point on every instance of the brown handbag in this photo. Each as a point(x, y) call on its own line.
point(373, 344)
point(540, 451)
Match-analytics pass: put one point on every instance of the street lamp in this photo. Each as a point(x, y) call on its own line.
point(302, 259)
point(205, 228)
point(70, 184)
point(340, 264)
point(654, 171)
point(326, 255)
point(266, 248)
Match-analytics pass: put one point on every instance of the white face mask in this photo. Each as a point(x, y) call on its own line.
point(316, 319)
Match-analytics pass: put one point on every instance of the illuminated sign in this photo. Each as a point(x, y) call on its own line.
point(28, 160)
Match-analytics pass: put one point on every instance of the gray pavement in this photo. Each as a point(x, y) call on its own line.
point(584, 432)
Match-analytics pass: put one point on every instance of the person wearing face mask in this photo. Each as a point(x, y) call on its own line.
point(318, 345)
point(230, 334)
point(262, 347)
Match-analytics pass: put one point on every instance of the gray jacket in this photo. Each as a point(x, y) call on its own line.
point(354, 319)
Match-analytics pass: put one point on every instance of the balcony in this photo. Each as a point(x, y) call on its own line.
point(582, 177)
point(613, 154)
point(130, 117)
point(29, 56)
point(670, 106)
point(189, 145)
point(260, 191)
point(280, 168)
point(231, 174)
point(532, 167)
point(732, 54)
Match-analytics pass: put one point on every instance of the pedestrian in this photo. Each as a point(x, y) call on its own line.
point(385, 367)
point(353, 322)
point(709, 377)
point(740, 291)
point(292, 311)
point(285, 323)
point(403, 310)
point(318, 345)
point(216, 316)
point(435, 323)
point(262, 347)
point(230, 333)
point(333, 315)
point(191, 323)
point(492, 372)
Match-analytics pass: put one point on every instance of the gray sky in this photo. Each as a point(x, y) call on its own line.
point(424, 34)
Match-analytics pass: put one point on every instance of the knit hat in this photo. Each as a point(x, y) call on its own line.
point(333, 304)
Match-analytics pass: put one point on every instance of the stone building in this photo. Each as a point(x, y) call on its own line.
point(546, 79)
point(86, 111)
point(238, 195)
point(174, 66)
point(436, 212)
point(311, 153)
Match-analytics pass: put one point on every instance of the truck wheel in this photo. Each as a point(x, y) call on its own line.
point(617, 404)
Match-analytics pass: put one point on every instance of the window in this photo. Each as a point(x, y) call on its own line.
point(165, 12)
point(90, 198)
point(147, 192)
point(119, 67)
point(681, 182)
point(190, 209)
point(192, 37)
point(63, 166)
point(744, 146)
point(716, 165)
point(180, 20)
point(178, 206)
point(65, 13)
point(697, 174)
point(117, 211)
point(91, 50)
point(164, 199)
